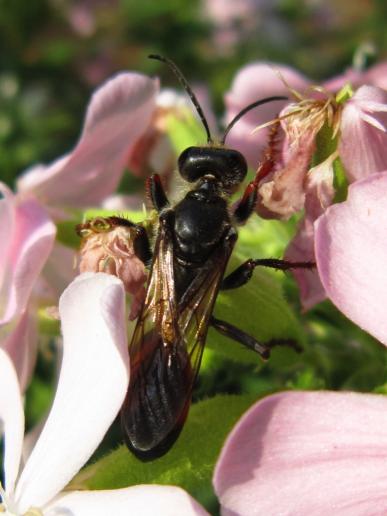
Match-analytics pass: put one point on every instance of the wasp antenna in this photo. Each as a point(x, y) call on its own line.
point(186, 86)
point(245, 110)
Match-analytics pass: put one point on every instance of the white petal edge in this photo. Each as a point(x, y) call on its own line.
point(92, 385)
point(12, 419)
point(142, 500)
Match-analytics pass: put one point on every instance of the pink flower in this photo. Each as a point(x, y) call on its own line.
point(94, 369)
point(27, 236)
point(119, 112)
point(319, 193)
point(353, 131)
point(306, 454)
point(351, 253)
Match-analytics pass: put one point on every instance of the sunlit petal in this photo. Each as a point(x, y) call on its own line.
point(11, 420)
point(363, 143)
point(306, 454)
point(351, 254)
point(91, 388)
point(143, 500)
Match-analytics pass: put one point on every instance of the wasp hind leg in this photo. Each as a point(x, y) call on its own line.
point(241, 275)
point(263, 349)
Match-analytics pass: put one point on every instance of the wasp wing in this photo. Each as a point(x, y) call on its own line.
point(166, 349)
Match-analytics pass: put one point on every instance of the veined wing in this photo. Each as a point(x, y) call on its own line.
point(196, 306)
point(161, 377)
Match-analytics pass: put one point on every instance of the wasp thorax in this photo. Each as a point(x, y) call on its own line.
point(112, 251)
point(227, 165)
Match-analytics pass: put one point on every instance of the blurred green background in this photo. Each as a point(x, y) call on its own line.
point(54, 52)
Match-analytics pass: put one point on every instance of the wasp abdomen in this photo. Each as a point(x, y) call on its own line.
point(158, 398)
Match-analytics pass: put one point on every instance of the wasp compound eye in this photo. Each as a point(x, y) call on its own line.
point(227, 165)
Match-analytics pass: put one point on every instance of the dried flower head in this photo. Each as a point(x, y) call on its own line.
point(109, 245)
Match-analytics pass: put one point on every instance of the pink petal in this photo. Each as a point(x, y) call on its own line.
point(11, 420)
point(143, 500)
point(301, 249)
point(284, 194)
point(253, 82)
point(350, 76)
point(351, 254)
point(21, 346)
point(92, 386)
point(306, 454)
point(119, 112)
point(319, 193)
point(7, 217)
point(58, 272)
point(363, 145)
point(377, 75)
point(27, 246)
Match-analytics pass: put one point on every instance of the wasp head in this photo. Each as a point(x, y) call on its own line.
point(228, 166)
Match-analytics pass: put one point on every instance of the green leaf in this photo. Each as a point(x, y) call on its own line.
point(344, 94)
point(190, 462)
point(66, 234)
point(184, 131)
point(326, 144)
point(340, 181)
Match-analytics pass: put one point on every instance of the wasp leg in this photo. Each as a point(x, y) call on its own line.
point(141, 245)
point(230, 331)
point(246, 205)
point(243, 273)
point(156, 193)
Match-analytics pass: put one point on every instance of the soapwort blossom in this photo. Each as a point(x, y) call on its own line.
point(350, 134)
point(92, 385)
point(322, 133)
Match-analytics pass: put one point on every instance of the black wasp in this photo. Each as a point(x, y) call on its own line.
point(194, 242)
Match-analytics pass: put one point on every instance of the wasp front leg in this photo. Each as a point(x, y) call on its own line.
point(244, 272)
point(156, 193)
point(246, 205)
point(263, 349)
